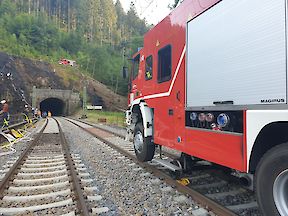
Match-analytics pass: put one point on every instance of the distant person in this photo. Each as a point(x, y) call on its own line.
point(26, 110)
point(35, 114)
point(39, 113)
point(44, 114)
point(26, 113)
point(4, 113)
point(49, 114)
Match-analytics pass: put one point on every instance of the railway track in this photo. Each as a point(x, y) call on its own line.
point(208, 185)
point(46, 179)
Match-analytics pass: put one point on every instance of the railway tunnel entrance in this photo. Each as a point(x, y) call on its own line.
point(58, 101)
point(54, 105)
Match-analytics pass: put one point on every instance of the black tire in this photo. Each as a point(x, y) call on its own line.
point(146, 151)
point(270, 168)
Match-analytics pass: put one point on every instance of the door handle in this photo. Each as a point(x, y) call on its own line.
point(178, 95)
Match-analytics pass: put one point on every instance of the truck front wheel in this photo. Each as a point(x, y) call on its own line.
point(143, 146)
point(272, 181)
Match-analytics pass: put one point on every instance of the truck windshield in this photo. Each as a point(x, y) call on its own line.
point(135, 68)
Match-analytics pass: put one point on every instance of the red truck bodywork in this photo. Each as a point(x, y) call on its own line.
point(221, 148)
point(218, 92)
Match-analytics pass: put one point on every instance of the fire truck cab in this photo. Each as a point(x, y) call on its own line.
point(211, 82)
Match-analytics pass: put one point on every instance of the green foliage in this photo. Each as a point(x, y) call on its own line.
point(7, 7)
point(92, 32)
point(72, 42)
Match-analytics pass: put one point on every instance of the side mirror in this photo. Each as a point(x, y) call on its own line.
point(125, 72)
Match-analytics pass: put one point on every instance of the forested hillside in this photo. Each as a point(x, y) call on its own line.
point(95, 33)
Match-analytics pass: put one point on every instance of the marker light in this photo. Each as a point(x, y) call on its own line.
point(209, 117)
point(223, 120)
point(202, 117)
point(193, 116)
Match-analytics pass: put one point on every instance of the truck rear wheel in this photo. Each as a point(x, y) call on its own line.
point(143, 146)
point(272, 181)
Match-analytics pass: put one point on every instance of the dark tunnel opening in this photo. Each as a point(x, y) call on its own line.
point(54, 105)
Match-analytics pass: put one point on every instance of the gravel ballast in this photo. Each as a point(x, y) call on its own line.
point(19, 147)
point(126, 188)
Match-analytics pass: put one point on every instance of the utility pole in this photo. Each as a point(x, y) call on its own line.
point(84, 108)
point(34, 97)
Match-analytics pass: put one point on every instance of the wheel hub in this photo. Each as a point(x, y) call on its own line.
point(138, 142)
point(280, 193)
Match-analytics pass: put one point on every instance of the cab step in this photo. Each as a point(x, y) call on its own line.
point(166, 164)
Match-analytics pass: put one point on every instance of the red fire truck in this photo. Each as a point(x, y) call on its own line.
point(211, 83)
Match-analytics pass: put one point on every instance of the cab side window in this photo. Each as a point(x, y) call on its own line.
point(136, 62)
point(164, 64)
point(148, 68)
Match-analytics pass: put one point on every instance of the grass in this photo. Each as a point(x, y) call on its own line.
point(109, 118)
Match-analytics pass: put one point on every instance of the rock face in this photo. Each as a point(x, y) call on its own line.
point(19, 75)
point(98, 92)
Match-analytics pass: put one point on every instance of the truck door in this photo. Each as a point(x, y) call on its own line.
point(136, 78)
point(164, 116)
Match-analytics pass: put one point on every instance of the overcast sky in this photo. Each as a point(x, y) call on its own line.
point(153, 10)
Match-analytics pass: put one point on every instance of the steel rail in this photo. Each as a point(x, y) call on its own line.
point(198, 197)
point(80, 199)
point(95, 126)
point(14, 169)
point(123, 137)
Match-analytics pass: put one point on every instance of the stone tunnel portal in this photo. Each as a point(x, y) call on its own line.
point(54, 105)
